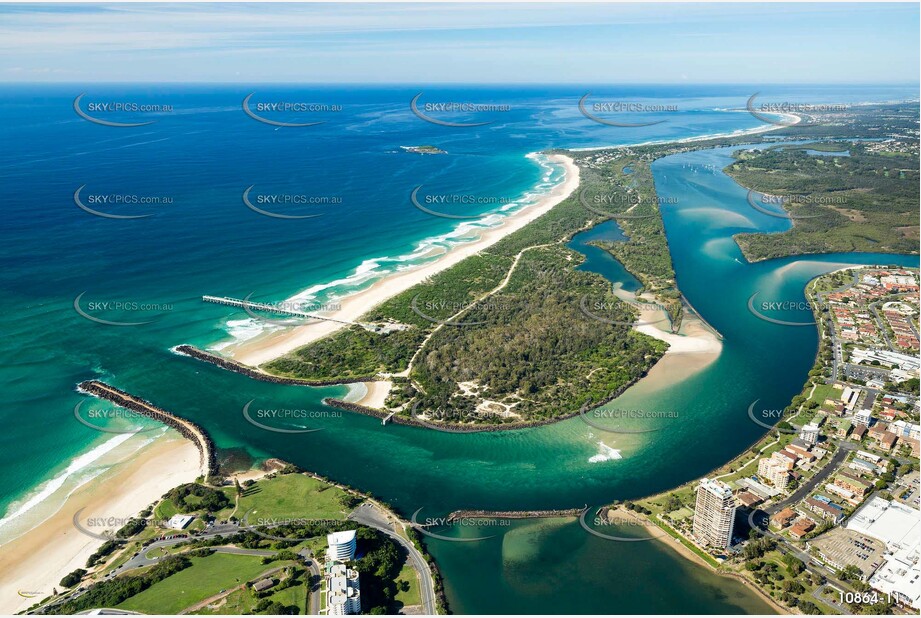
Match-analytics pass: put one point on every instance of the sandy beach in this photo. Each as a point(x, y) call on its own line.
point(785, 117)
point(690, 350)
point(269, 346)
point(693, 354)
point(370, 394)
point(619, 513)
point(32, 565)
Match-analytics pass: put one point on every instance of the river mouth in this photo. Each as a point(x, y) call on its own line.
point(571, 463)
point(759, 359)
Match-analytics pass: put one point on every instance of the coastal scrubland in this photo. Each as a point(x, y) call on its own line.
point(502, 336)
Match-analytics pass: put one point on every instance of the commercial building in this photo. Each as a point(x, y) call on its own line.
point(714, 514)
point(905, 362)
point(898, 526)
point(180, 522)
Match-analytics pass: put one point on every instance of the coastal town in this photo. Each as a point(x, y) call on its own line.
point(822, 515)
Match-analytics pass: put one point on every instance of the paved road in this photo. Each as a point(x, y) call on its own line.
point(371, 516)
point(314, 586)
point(809, 486)
point(838, 354)
point(141, 559)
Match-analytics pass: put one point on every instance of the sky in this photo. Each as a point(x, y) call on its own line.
point(461, 43)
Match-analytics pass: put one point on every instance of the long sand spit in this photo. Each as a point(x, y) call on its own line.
point(269, 346)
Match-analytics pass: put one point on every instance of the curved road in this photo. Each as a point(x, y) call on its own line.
point(372, 516)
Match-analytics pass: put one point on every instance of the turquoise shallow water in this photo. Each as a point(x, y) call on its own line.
point(205, 242)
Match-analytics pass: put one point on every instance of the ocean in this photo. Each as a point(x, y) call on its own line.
point(185, 174)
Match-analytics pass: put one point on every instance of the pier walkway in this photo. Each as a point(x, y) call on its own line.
point(270, 307)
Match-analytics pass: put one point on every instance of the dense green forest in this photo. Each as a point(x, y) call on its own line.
point(529, 343)
point(645, 253)
point(867, 201)
point(533, 349)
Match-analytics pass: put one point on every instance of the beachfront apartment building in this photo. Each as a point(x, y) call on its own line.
point(809, 433)
point(341, 546)
point(714, 514)
point(905, 429)
point(775, 472)
point(343, 594)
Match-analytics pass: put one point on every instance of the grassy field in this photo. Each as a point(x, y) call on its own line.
point(411, 596)
point(674, 534)
point(294, 496)
point(242, 601)
point(825, 391)
point(237, 603)
point(206, 577)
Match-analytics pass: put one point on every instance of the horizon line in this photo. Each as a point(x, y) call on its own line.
point(464, 83)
